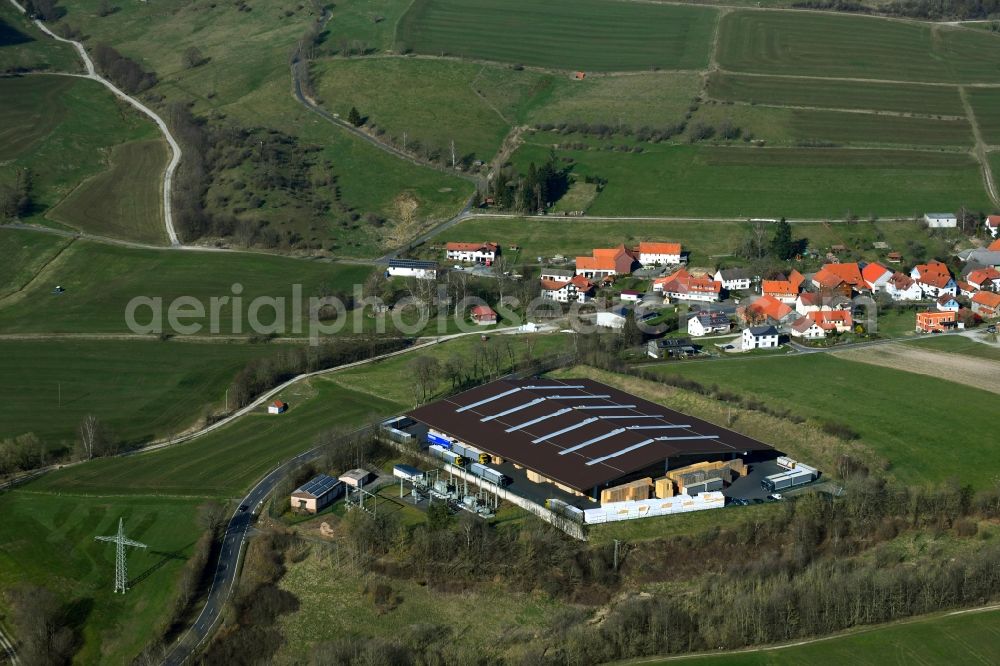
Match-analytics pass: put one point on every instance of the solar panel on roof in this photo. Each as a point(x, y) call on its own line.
point(565, 430)
point(490, 399)
point(318, 485)
point(592, 440)
point(579, 397)
point(603, 407)
point(513, 409)
point(538, 420)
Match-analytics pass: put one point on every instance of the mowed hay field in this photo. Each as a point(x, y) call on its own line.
point(139, 389)
point(100, 280)
point(986, 107)
point(961, 637)
point(826, 45)
point(227, 461)
point(918, 443)
point(64, 130)
point(48, 540)
point(598, 35)
point(899, 97)
point(125, 201)
point(705, 181)
point(24, 254)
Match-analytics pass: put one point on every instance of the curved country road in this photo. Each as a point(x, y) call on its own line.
point(175, 149)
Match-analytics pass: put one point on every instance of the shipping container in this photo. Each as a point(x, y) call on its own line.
point(790, 479)
point(444, 454)
point(440, 440)
point(489, 474)
point(705, 486)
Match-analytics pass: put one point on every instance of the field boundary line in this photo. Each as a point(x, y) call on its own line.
point(12, 296)
point(175, 158)
point(858, 79)
point(873, 112)
point(980, 150)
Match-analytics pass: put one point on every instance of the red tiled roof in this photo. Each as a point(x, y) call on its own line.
point(993, 220)
point(649, 247)
point(834, 275)
point(278, 403)
point(987, 298)
point(873, 272)
point(994, 246)
point(553, 285)
point(783, 287)
point(483, 311)
point(770, 307)
point(933, 273)
point(901, 281)
point(472, 247)
point(981, 275)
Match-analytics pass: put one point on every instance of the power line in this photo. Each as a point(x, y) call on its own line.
point(121, 567)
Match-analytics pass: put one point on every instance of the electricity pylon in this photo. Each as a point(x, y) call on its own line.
point(121, 568)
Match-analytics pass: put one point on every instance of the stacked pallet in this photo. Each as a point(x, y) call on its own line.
point(716, 474)
point(628, 492)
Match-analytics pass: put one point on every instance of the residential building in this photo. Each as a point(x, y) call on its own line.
point(576, 289)
point(941, 220)
point(607, 262)
point(316, 494)
point(671, 348)
point(477, 253)
point(805, 327)
point(682, 285)
point(947, 303)
point(631, 296)
point(994, 247)
point(992, 223)
point(984, 278)
point(986, 304)
point(814, 301)
point(613, 318)
point(483, 315)
point(875, 276)
point(760, 337)
point(964, 288)
point(785, 290)
point(930, 321)
point(557, 274)
point(845, 278)
point(733, 279)
point(422, 270)
point(765, 308)
point(901, 287)
point(277, 407)
point(839, 321)
point(934, 279)
point(708, 323)
point(659, 254)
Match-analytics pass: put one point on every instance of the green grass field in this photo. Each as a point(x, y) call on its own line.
point(439, 105)
point(902, 98)
point(62, 129)
point(765, 182)
point(914, 439)
point(25, 253)
point(944, 639)
point(563, 34)
point(48, 540)
point(125, 201)
point(986, 106)
point(23, 47)
point(708, 242)
point(139, 389)
point(956, 344)
point(101, 280)
point(826, 45)
point(226, 462)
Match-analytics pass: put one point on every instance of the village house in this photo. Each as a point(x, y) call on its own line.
point(670, 348)
point(947, 303)
point(964, 288)
point(475, 253)
point(813, 301)
point(839, 321)
point(607, 262)
point(984, 278)
point(901, 287)
point(805, 327)
point(659, 254)
point(986, 304)
point(843, 278)
point(277, 407)
point(483, 315)
point(576, 289)
point(557, 274)
point(941, 220)
point(631, 296)
point(708, 323)
point(931, 321)
point(875, 276)
point(785, 290)
point(765, 308)
point(681, 285)
point(992, 224)
point(613, 318)
point(421, 270)
point(733, 279)
point(760, 337)
point(934, 279)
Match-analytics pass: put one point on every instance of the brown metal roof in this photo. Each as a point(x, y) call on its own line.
point(578, 432)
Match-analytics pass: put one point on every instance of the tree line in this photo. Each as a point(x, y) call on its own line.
point(531, 192)
point(921, 9)
point(124, 72)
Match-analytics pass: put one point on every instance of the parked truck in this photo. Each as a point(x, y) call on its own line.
point(447, 455)
point(489, 474)
point(801, 475)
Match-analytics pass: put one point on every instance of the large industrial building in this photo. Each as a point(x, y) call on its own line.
point(586, 438)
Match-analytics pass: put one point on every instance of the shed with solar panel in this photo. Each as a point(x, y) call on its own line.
point(316, 494)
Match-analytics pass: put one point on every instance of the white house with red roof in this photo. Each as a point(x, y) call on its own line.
point(984, 278)
point(659, 254)
point(484, 315)
point(607, 262)
point(875, 276)
point(902, 287)
point(947, 303)
point(478, 253)
point(839, 321)
point(682, 285)
point(277, 407)
point(845, 278)
point(576, 289)
point(992, 224)
point(986, 304)
point(784, 290)
point(934, 279)
point(805, 327)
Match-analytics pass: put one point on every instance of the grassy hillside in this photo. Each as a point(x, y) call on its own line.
point(226, 462)
point(563, 34)
point(944, 639)
point(100, 280)
point(23, 47)
point(898, 414)
point(25, 253)
point(126, 200)
point(65, 130)
point(48, 540)
point(986, 107)
point(803, 43)
point(751, 182)
point(139, 389)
